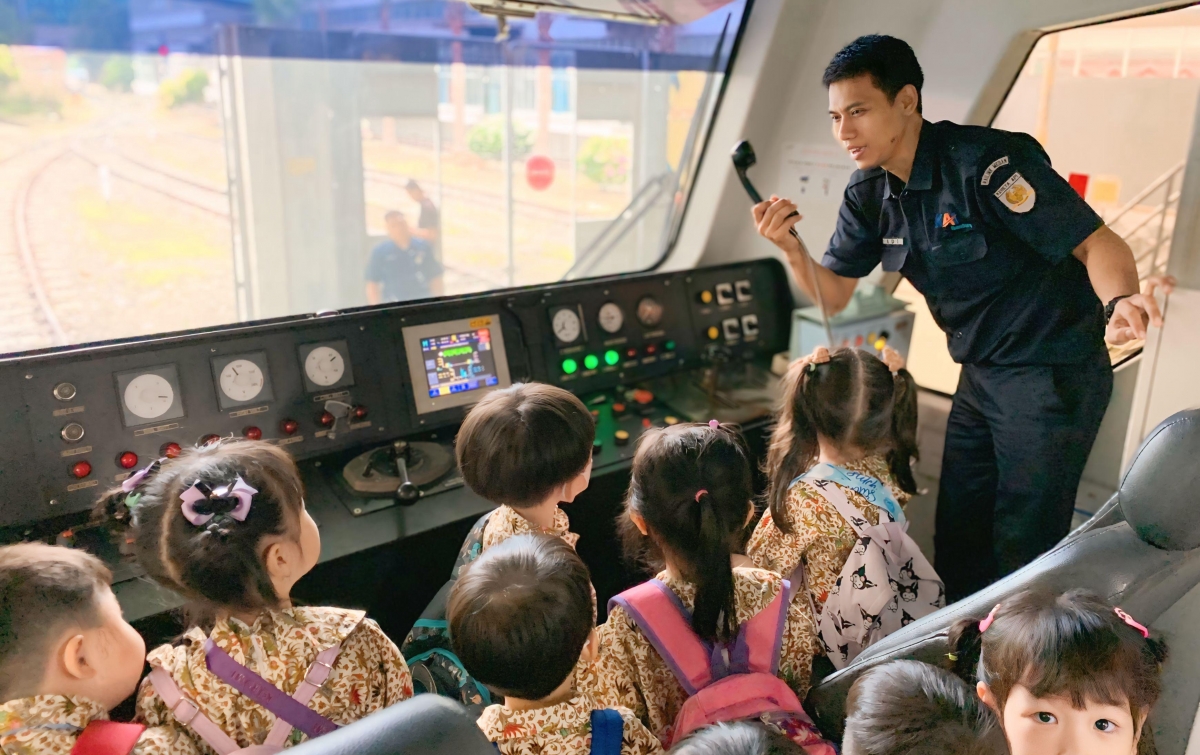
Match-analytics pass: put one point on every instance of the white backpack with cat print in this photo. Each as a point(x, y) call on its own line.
point(886, 584)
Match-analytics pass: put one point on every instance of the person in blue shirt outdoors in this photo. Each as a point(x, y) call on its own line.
point(402, 267)
point(1021, 274)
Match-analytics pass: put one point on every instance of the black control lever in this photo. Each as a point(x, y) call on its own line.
point(743, 159)
point(407, 493)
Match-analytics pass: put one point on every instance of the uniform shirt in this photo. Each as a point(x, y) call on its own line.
point(50, 724)
point(820, 536)
point(563, 729)
point(506, 522)
point(404, 273)
point(369, 674)
point(984, 229)
point(633, 675)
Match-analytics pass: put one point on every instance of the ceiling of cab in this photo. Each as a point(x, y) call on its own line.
point(656, 12)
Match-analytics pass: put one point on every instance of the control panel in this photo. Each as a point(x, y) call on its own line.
point(383, 388)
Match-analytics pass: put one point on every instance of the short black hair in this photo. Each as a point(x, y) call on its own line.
point(889, 61)
point(520, 615)
point(520, 443)
point(740, 738)
point(913, 708)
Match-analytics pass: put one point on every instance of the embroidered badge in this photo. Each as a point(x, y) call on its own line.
point(1016, 194)
point(987, 174)
point(893, 242)
point(948, 219)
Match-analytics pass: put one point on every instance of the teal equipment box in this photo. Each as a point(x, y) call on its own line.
point(870, 321)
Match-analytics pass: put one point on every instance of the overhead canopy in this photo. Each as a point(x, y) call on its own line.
point(655, 12)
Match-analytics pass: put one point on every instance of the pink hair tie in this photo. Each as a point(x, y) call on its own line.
point(1132, 622)
point(983, 625)
point(701, 492)
point(714, 424)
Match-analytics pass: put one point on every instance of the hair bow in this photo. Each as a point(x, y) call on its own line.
point(132, 481)
point(892, 359)
point(200, 491)
point(820, 355)
point(983, 625)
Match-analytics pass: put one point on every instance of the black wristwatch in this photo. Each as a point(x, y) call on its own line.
point(1112, 305)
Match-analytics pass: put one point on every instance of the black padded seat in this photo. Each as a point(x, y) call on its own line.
point(424, 725)
point(1143, 558)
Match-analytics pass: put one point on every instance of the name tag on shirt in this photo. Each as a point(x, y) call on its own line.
point(893, 242)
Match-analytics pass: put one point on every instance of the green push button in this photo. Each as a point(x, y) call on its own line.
point(669, 345)
point(591, 361)
point(611, 357)
point(570, 366)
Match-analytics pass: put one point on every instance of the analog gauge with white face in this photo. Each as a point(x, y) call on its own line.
point(567, 326)
point(242, 380)
point(324, 366)
point(649, 311)
point(149, 396)
point(611, 317)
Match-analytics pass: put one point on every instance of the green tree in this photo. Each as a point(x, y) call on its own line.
point(117, 73)
point(185, 88)
point(8, 68)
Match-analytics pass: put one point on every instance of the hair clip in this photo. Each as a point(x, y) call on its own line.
point(892, 359)
point(953, 658)
point(200, 491)
point(714, 424)
point(820, 355)
point(983, 625)
point(700, 492)
point(132, 481)
point(1132, 622)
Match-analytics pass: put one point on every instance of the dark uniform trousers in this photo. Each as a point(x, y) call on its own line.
point(1016, 443)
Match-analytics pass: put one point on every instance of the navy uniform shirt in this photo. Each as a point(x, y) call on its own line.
point(404, 273)
point(984, 229)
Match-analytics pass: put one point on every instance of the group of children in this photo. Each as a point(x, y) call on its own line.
point(711, 657)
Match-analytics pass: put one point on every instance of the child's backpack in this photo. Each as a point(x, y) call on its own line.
point(290, 712)
point(886, 584)
point(107, 738)
point(608, 732)
point(723, 683)
point(431, 659)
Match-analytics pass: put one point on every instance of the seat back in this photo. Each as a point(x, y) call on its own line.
point(424, 725)
point(1144, 561)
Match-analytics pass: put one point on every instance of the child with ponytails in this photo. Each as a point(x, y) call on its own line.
point(225, 526)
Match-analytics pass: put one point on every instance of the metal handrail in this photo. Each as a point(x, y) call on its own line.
point(1154, 186)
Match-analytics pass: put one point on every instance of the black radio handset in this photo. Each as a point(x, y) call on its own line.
point(743, 159)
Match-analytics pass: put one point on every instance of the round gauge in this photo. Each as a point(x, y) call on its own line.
point(149, 396)
point(242, 380)
point(611, 317)
point(649, 311)
point(567, 326)
point(324, 366)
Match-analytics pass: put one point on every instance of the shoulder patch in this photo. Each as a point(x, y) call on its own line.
point(987, 174)
point(1016, 194)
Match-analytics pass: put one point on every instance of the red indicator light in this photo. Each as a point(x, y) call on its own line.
point(646, 423)
point(651, 349)
point(81, 469)
point(858, 340)
point(360, 412)
point(643, 396)
point(170, 450)
point(253, 433)
point(326, 419)
point(127, 460)
point(289, 426)
point(631, 353)
point(209, 439)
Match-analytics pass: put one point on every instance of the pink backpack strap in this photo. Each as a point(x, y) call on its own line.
point(763, 633)
point(187, 712)
point(661, 616)
point(317, 673)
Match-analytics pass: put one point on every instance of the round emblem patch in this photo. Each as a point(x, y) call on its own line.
point(1016, 194)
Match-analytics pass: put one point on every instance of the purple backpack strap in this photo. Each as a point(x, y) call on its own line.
point(661, 616)
point(264, 693)
point(762, 635)
point(317, 673)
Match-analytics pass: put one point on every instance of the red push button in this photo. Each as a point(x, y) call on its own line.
point(127, 460)
point(643, 396)
point(289, 426)
point(646, 423)
point(326, 419)
point(253, 433)
point(209, 439)
point(81, 469)
point(631, 352)
point(360, 412)
point(170, 450)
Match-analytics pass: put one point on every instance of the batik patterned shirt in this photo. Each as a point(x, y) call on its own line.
point(368, 675)
point(820, 536)
point(563, 729)
point(50, 724)
point(505, 522)
point(631, 673)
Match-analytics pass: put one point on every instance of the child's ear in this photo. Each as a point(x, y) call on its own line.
point(591, 648)
point(985, 694)
point(281, 559)
point(72, 655)
point(639, 522)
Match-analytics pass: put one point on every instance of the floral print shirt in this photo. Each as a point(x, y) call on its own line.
point(821, 537)
point(562, 729)
point(50, 724)
point(369, 674)
point(506, 522)
point(633, 675)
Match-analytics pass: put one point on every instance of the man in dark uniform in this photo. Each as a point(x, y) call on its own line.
point(402, 267)
point(1018, 271)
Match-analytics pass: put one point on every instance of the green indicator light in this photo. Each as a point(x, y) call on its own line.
point(570, 366)
point(670, 345)
point(611, 357)
point(591, 361)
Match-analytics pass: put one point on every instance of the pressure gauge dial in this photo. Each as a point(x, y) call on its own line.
point(611, 317)
point(566, 325)
point(324, 366)
point(148, 396)
point(242, 380)
point(649, 311)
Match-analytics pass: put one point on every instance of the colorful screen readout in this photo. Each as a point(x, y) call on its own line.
point(459, 362)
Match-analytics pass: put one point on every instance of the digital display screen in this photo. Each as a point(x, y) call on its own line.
point(459, 362)
point(455, 362)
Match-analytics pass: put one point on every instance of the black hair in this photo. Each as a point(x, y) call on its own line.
point(520, 615)
point(692, 484)
point(44, 589)
point(912, 708)
point(855, 401)
point(218, 564)
point(739, 738)
point(1075, 645)
point(520, 443)
point(890, 62)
